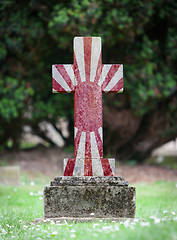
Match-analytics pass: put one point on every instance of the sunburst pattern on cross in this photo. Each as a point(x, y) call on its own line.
point(87, 78)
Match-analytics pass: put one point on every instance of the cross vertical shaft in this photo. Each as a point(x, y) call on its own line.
point(88, 78)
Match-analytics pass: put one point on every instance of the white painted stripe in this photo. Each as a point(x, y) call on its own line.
point(79, 167)
point(105, 70)
point(70, 72)
point(81, 148)
point(79, 163)
point(96, 161)
point(94, 148)
point(75, 131)
point(79, 53)
point(57, 76)
point(97, 169)
point(65, 161)
point(100, 130)
point(95, 54)
point(112, 164)
point(117, 76)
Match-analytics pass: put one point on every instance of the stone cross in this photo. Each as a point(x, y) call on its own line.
point(87, 78)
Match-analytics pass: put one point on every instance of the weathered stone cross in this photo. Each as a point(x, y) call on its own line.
point(88, 78)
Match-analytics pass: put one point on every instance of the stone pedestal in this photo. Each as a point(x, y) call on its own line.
point(98, 197)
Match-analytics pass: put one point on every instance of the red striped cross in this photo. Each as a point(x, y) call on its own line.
point(87, 78)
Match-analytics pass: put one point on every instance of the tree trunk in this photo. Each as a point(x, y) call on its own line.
point(127, 136)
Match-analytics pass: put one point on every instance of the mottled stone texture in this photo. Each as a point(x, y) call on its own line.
point(108, 197)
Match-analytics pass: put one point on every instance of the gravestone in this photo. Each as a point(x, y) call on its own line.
point(88, 188)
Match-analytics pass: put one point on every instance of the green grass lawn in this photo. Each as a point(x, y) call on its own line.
point(156, 204)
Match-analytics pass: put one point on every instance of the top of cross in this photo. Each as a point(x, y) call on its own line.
point(87, 67)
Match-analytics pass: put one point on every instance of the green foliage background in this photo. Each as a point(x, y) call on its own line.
point(34, 34)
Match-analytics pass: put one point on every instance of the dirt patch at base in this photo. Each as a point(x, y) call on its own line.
point(49, 161)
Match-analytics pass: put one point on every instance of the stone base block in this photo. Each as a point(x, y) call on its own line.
point(84, 197)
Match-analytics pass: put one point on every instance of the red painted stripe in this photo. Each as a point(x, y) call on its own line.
point(87, 56)
point(57, 86)
point(77, 141)
point(76, 71)
point(66, 77)
point(88, 167)
point(106, 167)
point(99, 143)
point(110, 74)
point(118, 86)
point(98, 71)
point(69, 167)
point(88, 160)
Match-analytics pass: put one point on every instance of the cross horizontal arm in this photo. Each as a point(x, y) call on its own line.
point(111, 78)
point(63, 78)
